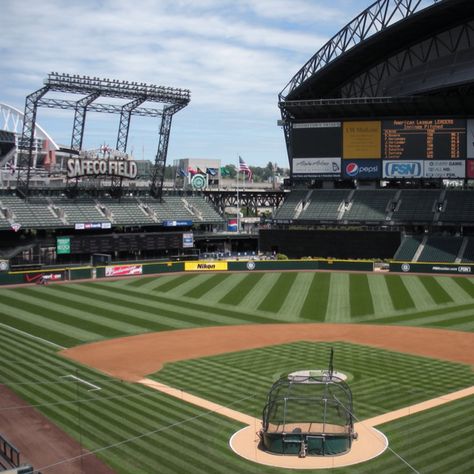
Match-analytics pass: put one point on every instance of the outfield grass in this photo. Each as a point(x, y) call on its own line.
point(162, 427)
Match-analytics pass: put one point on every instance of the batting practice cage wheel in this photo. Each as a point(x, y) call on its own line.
point(308, 413)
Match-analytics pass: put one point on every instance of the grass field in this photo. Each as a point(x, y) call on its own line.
point(160, 427)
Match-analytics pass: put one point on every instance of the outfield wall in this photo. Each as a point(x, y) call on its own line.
point(142, 269)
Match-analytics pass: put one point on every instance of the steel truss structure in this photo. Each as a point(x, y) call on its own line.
point(247, 199)
point(374, 19)
point(419, 72)
point(91, 88)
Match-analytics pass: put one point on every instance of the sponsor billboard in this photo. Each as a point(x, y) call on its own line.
point(92, 225)
point(362, 169)
point(232, 225)
point(361, 140)
point(403, 169)
point(177, 223)
point(204, 266)
point(445, 169)
point(470, 169)
point(317, 167)
point(63, 245)
point(123, 270)
point(42, 277)
point(188, 240)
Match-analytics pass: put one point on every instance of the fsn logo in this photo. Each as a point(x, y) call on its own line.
point(403, 169)
point(352, 169)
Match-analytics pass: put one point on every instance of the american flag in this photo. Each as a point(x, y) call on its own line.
point(245, 168)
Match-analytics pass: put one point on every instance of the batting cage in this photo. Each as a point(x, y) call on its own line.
point(308, 412)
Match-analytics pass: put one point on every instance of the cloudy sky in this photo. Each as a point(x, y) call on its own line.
point(235, 56)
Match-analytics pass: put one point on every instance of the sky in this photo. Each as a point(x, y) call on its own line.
point(235, 56)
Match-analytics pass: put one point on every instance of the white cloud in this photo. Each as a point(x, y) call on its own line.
point(234, 56)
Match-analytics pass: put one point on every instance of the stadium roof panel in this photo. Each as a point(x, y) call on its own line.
point(370, 38)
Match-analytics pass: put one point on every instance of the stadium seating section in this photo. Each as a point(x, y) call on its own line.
point(408, 248)
point(468, 255)
point(458, 206)
point(440, 249)
point(61, 212)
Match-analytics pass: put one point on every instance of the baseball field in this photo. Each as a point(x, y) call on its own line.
point(411, 341)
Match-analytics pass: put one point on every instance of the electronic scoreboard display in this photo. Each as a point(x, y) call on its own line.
point(425, 139)
point(126, 242)
point(401, 148)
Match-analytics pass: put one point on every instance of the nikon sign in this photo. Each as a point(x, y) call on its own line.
point(100, 167)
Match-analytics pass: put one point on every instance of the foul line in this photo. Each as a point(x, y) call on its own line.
point(31, 335)
point(85, 382)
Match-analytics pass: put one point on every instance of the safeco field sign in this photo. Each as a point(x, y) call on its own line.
point(204, 266)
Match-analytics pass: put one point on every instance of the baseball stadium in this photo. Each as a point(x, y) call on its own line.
point(152, 326)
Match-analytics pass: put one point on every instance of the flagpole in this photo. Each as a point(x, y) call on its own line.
point(238, 203)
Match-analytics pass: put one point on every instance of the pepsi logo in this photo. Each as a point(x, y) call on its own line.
point(352, 169)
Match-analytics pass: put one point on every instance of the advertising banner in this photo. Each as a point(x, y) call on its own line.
point(123, 270)
point(188, 240)
point(317, 167)
point(445, 169)
point(204, 266)
point(403, 169)
point(362, 169)
point(361, 140)
point(177, 223)
point(470, 169)
point(92, 225)
point(63, 245)
point(42, 277)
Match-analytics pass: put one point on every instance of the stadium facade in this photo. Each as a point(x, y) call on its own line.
point(379, 131)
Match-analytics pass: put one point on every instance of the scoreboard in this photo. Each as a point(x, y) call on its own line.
point(438, 139)
point(403, 148)
point(89, 244)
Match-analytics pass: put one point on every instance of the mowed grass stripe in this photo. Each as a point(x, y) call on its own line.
point(160, 313)
point(293, 304)
point(339, 306)
point(399, 294)
point(239, 292)
point(316, 301)
point(174, 282)
point(420, 295)
point(420, 315)
point(275, 298)
point(23, 299)
point(209, 283)
point(79, 308)
point(466, 284)
point(207, 314)
point(360, 295)
point(437, 292)
point(443, 437)
point(41, 326)
point(191, 306)
point(380, 295)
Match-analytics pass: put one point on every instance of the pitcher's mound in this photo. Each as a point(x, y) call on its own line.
point(370, 444)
